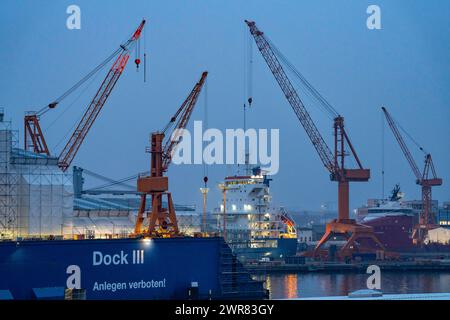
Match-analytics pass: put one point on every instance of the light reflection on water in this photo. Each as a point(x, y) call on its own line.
point(288, 286)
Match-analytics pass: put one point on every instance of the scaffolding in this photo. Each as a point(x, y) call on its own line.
point(36, 197)
point(8, 181)
point(37, 200)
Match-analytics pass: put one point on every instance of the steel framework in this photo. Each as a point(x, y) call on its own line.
point(334, 163)
point(35, 196)
point(33, 137)
point(162, 222)
point(424, 179)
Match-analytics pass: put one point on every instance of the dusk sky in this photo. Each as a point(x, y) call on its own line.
point(405, 67)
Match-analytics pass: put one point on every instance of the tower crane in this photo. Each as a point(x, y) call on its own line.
point(333, 162)
point(424, 179)
point(162, 222)
point(34, 138)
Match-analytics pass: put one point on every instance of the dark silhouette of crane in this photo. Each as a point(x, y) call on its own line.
point(162, 222)
point(425, 179)
point(333, 162)
point(34, 138)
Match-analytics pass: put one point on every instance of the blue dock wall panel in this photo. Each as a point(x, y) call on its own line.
point(112, 269)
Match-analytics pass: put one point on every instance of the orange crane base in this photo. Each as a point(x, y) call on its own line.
point(162, 222)
point(353, 232)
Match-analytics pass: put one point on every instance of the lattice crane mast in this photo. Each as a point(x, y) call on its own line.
point(34, 138)
point(162, 222)
point(334, 163)
point(424, 179)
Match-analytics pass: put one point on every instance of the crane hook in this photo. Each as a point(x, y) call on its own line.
point(137, 61)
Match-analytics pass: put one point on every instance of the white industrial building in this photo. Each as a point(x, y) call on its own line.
point(439, 235)
point(39, 200)
point(36, 197)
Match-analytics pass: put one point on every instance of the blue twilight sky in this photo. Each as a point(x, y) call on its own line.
point(405, 67)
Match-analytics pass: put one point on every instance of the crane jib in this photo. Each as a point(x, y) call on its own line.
point(71, 148)
point(294, 100)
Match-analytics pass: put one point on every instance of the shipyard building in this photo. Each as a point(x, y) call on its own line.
point(36, 197)
point(39, 200)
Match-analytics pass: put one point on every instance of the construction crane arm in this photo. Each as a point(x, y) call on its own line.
point(180, 119)
point(402, 145)
point(294, 100)
point(427, 219)
point(69, 151)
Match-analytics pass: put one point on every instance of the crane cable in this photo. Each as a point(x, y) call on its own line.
point(92, 75)
point(79, 83)
point(116, 182)
point(409, 136)
point(101, 177)
point(303, 81)
point(145, 56)
point(382, 155)
point(248, 70)
point(122, 48)
point(67, 109)
point(205, 167)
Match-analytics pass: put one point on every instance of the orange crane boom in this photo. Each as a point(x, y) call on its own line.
point(97, 103)
point(34, 138)
point(162, 222)
point(334, 163)
point(426, 220)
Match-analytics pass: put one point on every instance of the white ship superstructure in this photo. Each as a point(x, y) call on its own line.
point(249, 222)
point(395, 205)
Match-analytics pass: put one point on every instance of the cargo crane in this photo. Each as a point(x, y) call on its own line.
point(162, 222)
point(426, 219)
point(334, 163)
point(34, 138)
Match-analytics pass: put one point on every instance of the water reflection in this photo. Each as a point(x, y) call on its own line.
point(291, 285)
point(288, 286)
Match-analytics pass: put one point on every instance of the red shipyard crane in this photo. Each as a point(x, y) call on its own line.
point(359, 237)
point(34, 138)
point(162, 222)
point(424, 179)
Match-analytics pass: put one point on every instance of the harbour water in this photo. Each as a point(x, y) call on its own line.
point(303, 285)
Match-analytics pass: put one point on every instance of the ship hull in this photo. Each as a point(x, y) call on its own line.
point(394, 231)
point(114, 269)
point(283, 247)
